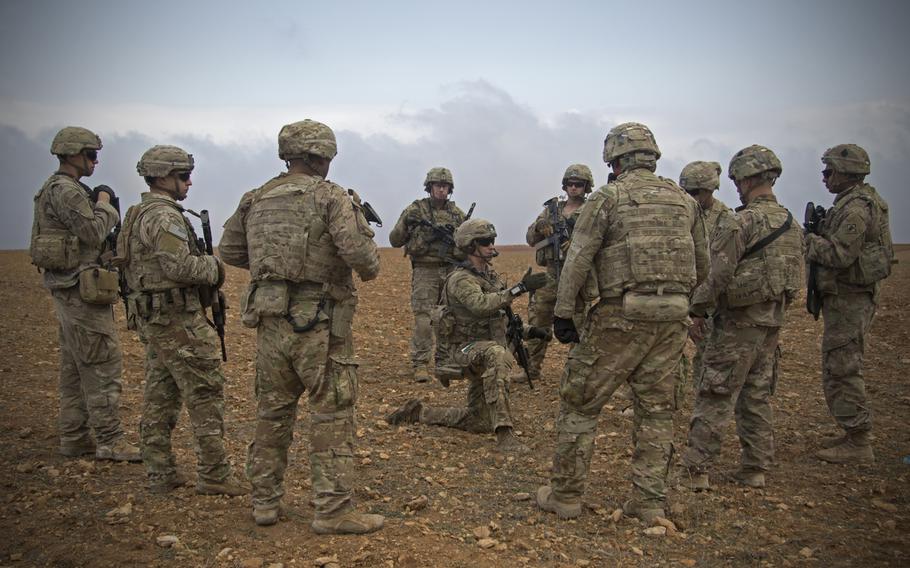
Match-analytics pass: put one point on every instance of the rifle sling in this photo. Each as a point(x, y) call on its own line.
point(770, 238)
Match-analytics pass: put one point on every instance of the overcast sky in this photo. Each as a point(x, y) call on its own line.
point(505, 94)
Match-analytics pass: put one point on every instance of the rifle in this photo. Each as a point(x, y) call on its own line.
point(111, 238)
point(218, 302)
point(369, 213)
point(515, 337)
point(445, 234)
point(815, 214)
point(559, 237)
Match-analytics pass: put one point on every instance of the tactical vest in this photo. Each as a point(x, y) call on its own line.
point(712, 217)
point(424, 245)
point(138, 261)
point(287, 238)
point(874, 261)
point(457, 325)
point(649, 247)
point(776, 269)
point(52, 246)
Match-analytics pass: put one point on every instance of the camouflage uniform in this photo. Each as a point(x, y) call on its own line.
point(431, 262)
point(299, 236)
point(90, 358)
point(853, 253)
point(169, 277)
point(748, 292)
point(472, 329)
point(644, 239)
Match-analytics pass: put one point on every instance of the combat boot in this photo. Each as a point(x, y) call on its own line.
point(160, 486)
point(349, 522)
point(749, 478)
point(78, 449)
point(119, 450)
point(548, 502)
point(646, 513)
point(407, 414)
point(229, 487)
point(519, 376)
point(696, 481)
point(421, 373)
point(856, 449)
point(834, 441)
point(506, 442)
point(266, 516)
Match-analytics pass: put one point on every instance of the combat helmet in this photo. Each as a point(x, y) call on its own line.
point(700, 175)
point(439, 175)
point(752, 161)
point(471, 230)
point(161, 160)
point(847, 159)
point(74, 139)
point(627, 138)
point(579, 171)
point(298, 139)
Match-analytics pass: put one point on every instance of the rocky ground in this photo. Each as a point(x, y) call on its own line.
point(449, 500)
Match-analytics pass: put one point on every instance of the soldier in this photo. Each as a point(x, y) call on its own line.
point(300, 235)
point(577, 182)
point(853, 254)
point(171, 281)
point(701, 180)
point(425, 230)
point(472, 330)
point(69, 234)
point(644, 239)
point(756, 271)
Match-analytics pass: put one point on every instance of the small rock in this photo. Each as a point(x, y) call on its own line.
point(25, 468)
point(637, 551)
point(777, 539)
point(224, 553)
point(325, 560)
point(481, 532)
point(666, 523)
point(486, 543)
point(384, 456)
point(25, 433)
point(123, 511)
point(418, 504)
point(167, 541)
point(890, 524)
point(366, 461)
point(16, 557)
point(656, 531)
point(805, 552)
point(276, 565)
point(521, 497)
point(52, 472)
point(616, 515)
point(252, 563)
point(884, 505)
point(688, 562)
point(582, 562)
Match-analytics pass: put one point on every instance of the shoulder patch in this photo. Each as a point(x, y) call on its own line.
point(177, 230)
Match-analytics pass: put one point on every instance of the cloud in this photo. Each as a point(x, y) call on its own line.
point(504, 155)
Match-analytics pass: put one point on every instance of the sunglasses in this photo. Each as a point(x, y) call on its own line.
point(827, 173)
point(183, 176)
point(573, 183)
point(485, 242)
point(90, 154)
point(693, 192)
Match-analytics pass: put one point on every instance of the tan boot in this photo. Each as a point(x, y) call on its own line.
point(166, 485)
point(120, 450)
point(646, 513)
point(753, 479)
point(519, 376)
point(548, 502)
point(696, 481)
point(833, 441)
point(856, 449)
point(229, 487)
point(266, 516)
point(506, 442)
point(409, 413)
point(350, 522)
point(421, 374)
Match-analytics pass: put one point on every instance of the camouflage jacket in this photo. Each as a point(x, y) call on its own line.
point(65, 205)
point(473, 306)
point(778, 268)
point(603, 240)
point(713, 216)
point(534, 236)
point(422, 243)
point(159, 249)
point(854, 250)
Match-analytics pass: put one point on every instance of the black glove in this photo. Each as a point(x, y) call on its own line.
point(539, 333)
point(529, 283)
point(103, 189)
point(564, 330)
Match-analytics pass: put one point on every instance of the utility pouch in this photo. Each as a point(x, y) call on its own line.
point(344, 380)
point(98, 286)
point(55, 251)
point(873, 264)
point(655, 307)
point(343, 316)
point(263, 298)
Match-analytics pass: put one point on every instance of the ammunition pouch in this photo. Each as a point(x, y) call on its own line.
point(150, 306)
point(873, 264)
point(98, 286)
point(55, 250)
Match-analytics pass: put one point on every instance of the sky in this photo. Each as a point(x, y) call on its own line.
point(505, 94)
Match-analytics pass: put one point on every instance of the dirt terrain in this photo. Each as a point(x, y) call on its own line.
point(449, 500)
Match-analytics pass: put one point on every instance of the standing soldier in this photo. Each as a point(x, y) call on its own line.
point(300, 236)
point(171, 282)
point(756, 271)
point(68, 236)
point(701, 180)
point(425, 229)
point(853, 254)
point(644, 239)
point(472, 331)
point(577, 183)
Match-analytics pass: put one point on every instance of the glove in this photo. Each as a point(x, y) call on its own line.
point(539, 333)
point(534, 281)
point(221, 272)
point(412, 219)
point(564, 330)
point(544, 228)
point(103, 189)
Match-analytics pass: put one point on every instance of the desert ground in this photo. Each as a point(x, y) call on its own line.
point(448, 498)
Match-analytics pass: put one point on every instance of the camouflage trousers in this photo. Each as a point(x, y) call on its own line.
point(847, 318)
point(426, 285)
point(182, 367)
point(738, 377)
point(698, 358)
point(541, 305)
point(90, 366)
point(613, 351)
point(287, 365)
point(487, 367)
